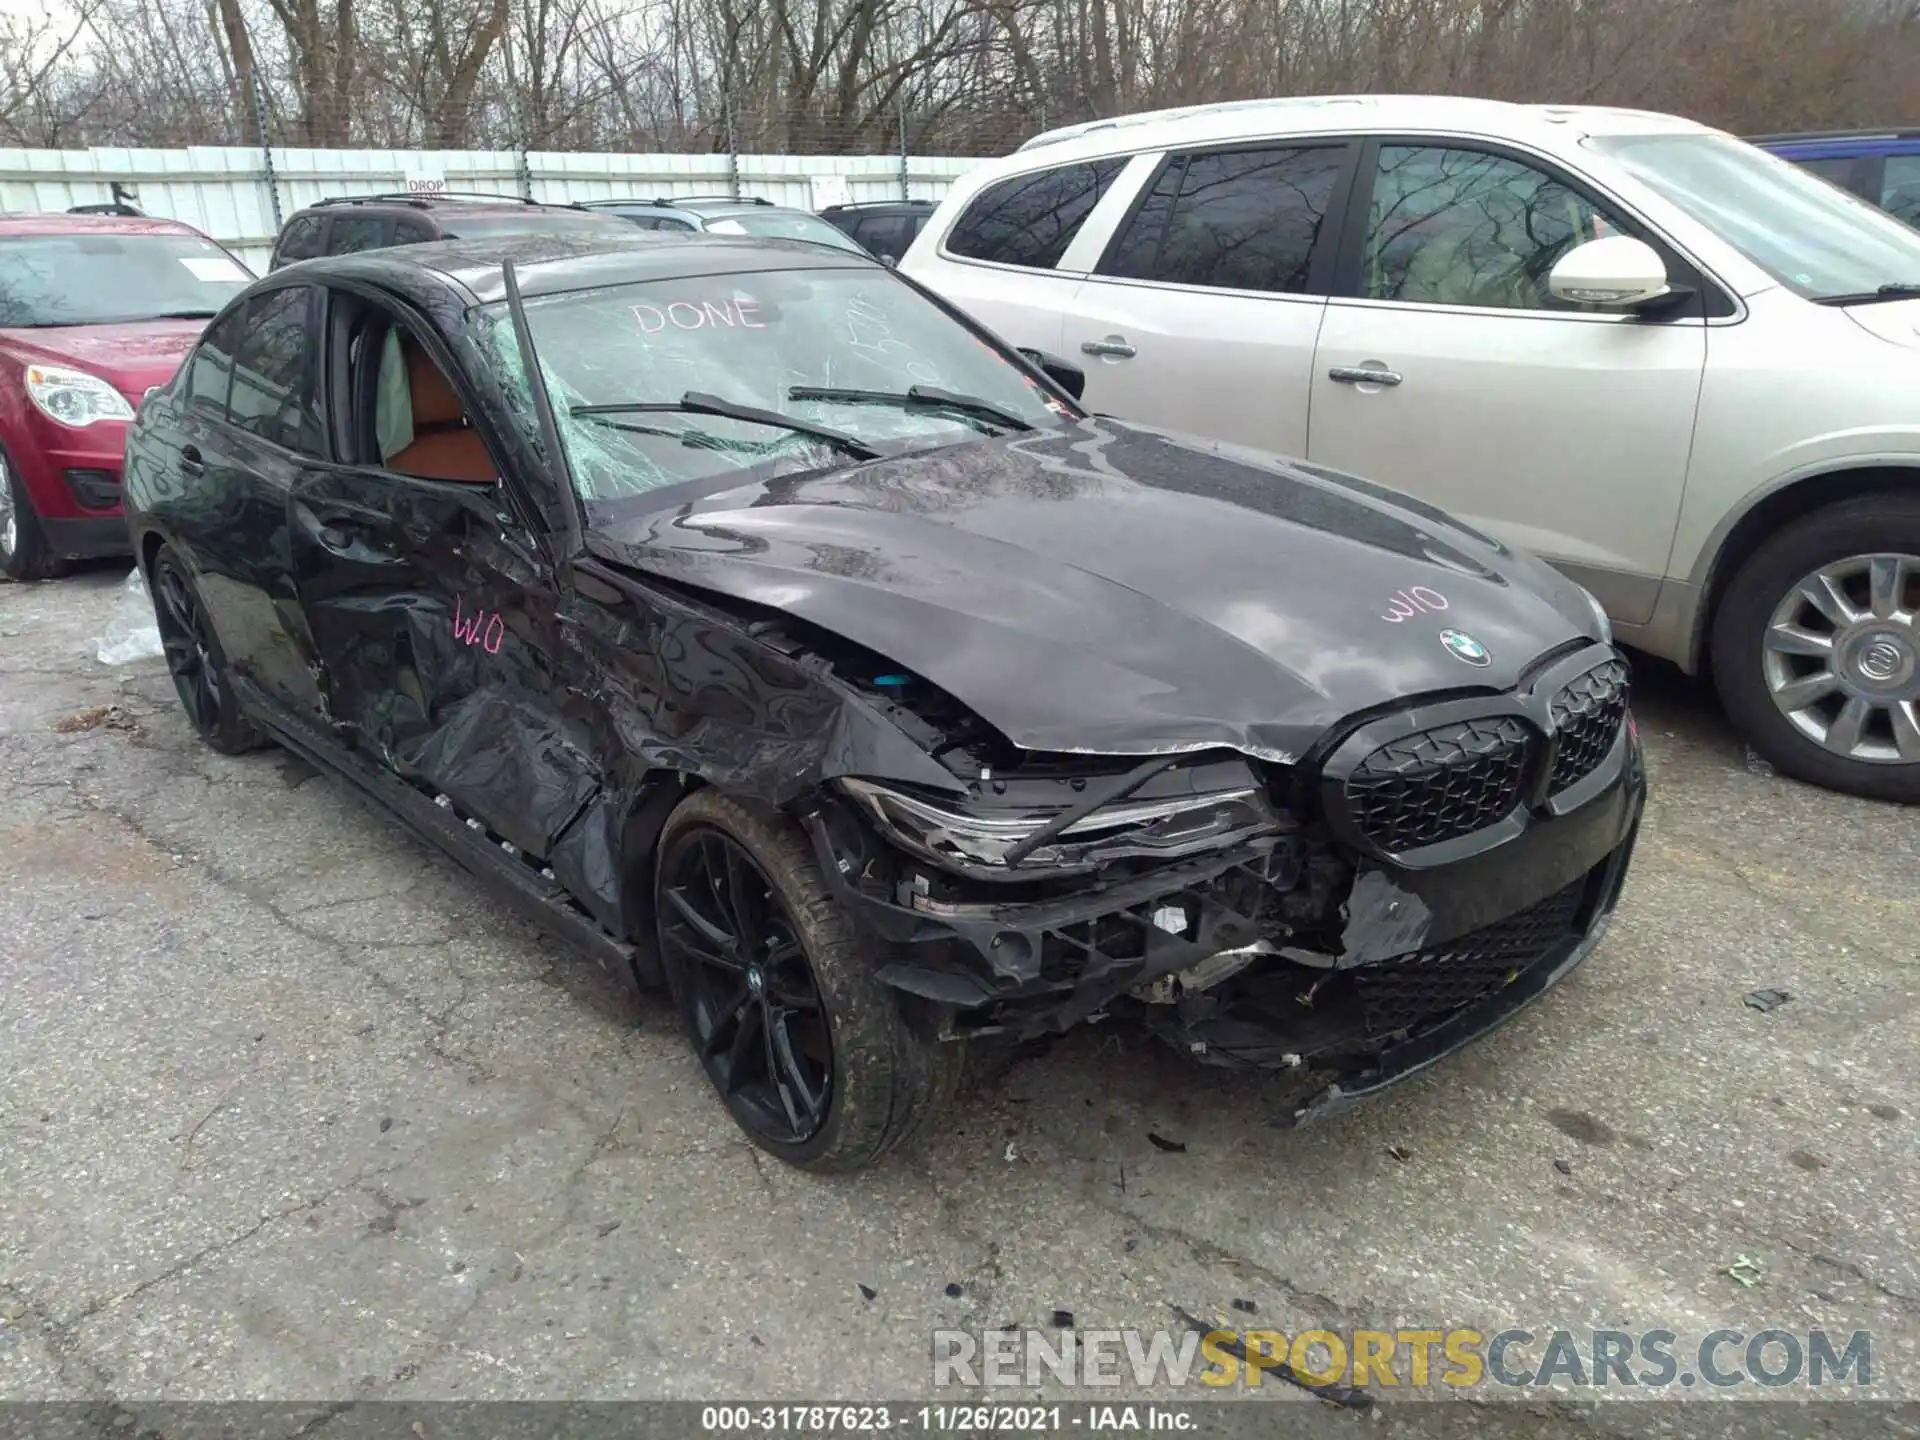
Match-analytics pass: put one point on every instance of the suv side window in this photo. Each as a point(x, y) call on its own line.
point(1029, 220)
point(1467, 227)
point(273, 390)
point(410, 232)
point(1838, 169)
point(1234, 219)
point(301, 240)
point(884, 235)
point(1900, 187)
point(357, 232)
point(210, 373)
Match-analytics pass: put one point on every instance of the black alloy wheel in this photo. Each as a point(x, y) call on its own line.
point(817, 1059)
point(194, 661)
point(750, 996)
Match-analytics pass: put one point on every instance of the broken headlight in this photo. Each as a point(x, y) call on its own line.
point(976, 841)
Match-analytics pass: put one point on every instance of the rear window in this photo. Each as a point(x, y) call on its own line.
point(1029, 220)
point(101, 278)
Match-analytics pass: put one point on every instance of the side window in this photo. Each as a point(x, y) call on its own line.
point(1237, 219)
point(1465, 227)
point(1900, 187)
point(1838, 169)
point(883, 235)
point(356, 232)
point(1029, 220)
point(210, 373)
point(409, 232)
point(301, 239)
point(273, 392)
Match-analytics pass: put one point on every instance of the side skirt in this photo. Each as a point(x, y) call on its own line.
point(535, 894)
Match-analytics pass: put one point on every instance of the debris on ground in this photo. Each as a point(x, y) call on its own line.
point(1063, 1319)
point(131, 633)
point(1745, 1270)
point(1246, 1307)
point(1765, 1000)
point(1400, 1153)
point(1346, 1396)
point(97, 717)
point(1012, 1154)
point(1758, 764)
point(953, 1292)
point(1565, 1167)
point(1160, 1142)
point(867, 1292)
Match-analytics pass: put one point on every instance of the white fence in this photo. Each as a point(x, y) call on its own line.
point(227, 191)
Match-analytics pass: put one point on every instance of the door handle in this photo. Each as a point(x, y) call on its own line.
point(1364, 375)
point(190, 462)
point(1113, 346)
point(346, 536)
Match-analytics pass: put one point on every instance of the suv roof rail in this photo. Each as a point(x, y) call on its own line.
point(421, 202)
point(1892, 132)
point(875, 204)
point(107, 207)
point(712, 199)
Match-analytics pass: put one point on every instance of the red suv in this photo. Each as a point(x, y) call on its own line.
point(95, 310)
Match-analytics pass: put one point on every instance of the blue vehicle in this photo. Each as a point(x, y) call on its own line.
point(1880, 166)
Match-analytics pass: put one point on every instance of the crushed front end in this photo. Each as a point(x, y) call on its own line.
point(1420, 876)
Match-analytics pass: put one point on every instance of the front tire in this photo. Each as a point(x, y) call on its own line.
point(810, 1052)
point(1816, 648)
point(195, 661)
point(24, 552)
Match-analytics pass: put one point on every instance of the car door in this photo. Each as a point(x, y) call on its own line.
point(1009, 259)
point(1203, 312)
point(429, 593)
point(249, 424)
point(1445, 368)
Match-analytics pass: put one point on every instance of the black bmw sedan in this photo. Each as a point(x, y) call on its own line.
point(746, 615)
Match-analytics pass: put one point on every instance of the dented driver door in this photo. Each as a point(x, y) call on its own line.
point(433, 613)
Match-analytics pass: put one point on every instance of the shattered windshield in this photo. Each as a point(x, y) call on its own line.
point(621, 363)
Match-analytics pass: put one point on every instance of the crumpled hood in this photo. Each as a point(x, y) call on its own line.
point(131, 358)
point(1114, 589)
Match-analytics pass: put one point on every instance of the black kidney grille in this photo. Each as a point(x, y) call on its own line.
point(1397, 993)
point(1587, 715)
point(1439, 784)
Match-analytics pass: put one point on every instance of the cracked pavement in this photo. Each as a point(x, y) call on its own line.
point(293, 1110)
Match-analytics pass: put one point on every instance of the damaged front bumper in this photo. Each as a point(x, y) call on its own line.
point(1295, 952)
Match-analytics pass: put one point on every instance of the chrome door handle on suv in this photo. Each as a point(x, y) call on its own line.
point(1113, 345)
point(1363, 375)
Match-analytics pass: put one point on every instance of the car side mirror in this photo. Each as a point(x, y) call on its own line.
point(1064, 373)
point(1613, 270)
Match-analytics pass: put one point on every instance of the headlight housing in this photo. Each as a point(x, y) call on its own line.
point(975, 842)
point(73, 397)
point(1599, 614)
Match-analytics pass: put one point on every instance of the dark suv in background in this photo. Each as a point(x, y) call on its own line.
point(1882, 167)
point(886, 227)
point(373, 222)
point(727, 215)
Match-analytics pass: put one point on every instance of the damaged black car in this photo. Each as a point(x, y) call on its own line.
point(743, 613)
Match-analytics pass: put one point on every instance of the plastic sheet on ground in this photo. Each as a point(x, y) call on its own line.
point(131, 633)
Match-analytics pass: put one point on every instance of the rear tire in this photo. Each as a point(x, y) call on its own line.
point(194, 659)
point(1816, 648)
point(24, 552)
point(811, 1053)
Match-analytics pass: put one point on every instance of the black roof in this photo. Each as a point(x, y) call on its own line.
point(554, 264)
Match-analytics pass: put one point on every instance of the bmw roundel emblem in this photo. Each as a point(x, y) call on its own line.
point(1465, 647)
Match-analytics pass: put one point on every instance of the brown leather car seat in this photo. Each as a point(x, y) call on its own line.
point(444, 446)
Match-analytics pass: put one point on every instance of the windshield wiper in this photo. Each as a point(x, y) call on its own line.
point(929, 397)
point(1898, 290)
point(695, 402)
